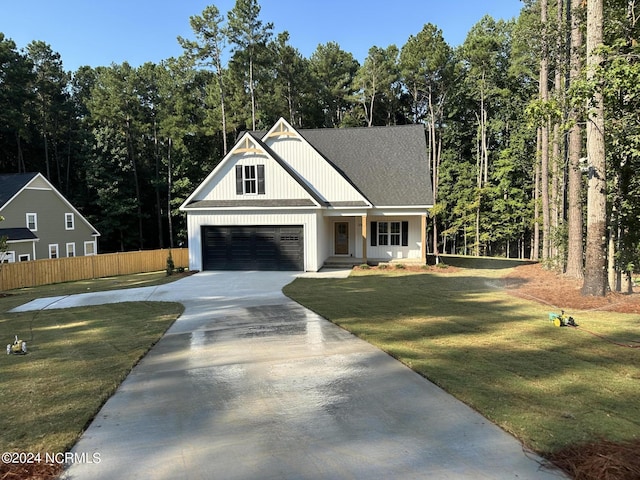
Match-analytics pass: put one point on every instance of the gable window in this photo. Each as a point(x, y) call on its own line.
point(69, 221)
point(32, 221)
point(249, 179)
point(390, 233)
point(71, 249)
point(53, 250)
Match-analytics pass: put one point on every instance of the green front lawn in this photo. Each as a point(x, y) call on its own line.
point(76, 359)
point(550, 387)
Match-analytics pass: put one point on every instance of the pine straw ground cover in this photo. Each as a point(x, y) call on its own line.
point(484, 335)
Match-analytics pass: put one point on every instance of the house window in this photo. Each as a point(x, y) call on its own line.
point(53, 250)
point(71, 249)
point(7, 257)
point(383, 233)
point(390, 233)
point(25, 257)
point(32, 221)
point(69, 223)
point(394, 233)
point(89, 248)
point(249, 179)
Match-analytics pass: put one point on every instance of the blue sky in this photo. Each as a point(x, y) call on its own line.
point(100, 32)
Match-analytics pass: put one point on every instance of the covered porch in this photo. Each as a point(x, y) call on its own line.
point(374, 237)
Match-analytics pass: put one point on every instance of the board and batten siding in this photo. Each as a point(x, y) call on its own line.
point(315, 169)
point(395, 252)
point(308, 219)
point(279, 185)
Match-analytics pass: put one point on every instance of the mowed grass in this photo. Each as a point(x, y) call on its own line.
point(76, 359)
point(550, 387)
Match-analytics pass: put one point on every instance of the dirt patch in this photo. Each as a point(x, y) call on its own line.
point(535, 283)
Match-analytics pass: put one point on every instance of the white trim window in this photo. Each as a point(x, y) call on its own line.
point(89, 248)
point(395, 234)
point(250, 180)
point(71, 249)
point(24, 257)
point(53, 250)
point(7, 257)
point(32, 222)
point(69, 221)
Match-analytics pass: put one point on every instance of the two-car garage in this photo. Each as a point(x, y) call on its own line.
point(253, 247)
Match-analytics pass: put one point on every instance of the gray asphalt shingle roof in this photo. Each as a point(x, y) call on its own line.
point(12, 183)
point(388, 165)
point(15, 234)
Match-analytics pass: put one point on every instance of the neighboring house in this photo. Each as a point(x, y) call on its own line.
point(39, 222)
point(290, 199)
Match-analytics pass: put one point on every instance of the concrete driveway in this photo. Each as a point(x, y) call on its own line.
point(247, 384)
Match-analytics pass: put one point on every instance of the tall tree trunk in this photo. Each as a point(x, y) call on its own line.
point(46, 152)
point(557, 155)
point(21, 166)
point(544, 140)
point(482, 162)
point(218, 61)
point(575, 249)
point(156, 154)
point(132, 160)
point(252, 92)
point(169, 188)
point(433, 148)
point(535, 248)
point(595, 275)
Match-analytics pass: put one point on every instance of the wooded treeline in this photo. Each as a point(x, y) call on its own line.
point(506, 116)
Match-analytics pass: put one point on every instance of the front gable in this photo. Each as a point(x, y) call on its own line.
point(332, 184)
point(38, 195)
point(252, 175)
point(39, 221)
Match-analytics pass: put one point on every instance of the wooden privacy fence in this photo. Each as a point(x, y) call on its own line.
point(57, 270)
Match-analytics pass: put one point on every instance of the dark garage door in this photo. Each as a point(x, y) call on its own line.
point(253, 248)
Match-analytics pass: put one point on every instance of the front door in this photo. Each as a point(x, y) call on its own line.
point(342, 238)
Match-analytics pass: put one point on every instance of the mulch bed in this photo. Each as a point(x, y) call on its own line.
point(33, 471)
point(600, 461)
point(535, 283)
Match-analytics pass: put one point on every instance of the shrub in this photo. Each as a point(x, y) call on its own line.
point(170, 265)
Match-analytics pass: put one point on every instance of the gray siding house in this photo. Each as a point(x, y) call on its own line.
point(296, 199)
point(39, 222)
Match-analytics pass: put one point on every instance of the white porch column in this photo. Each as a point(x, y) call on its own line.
point(423, 238)
point(364, 239)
